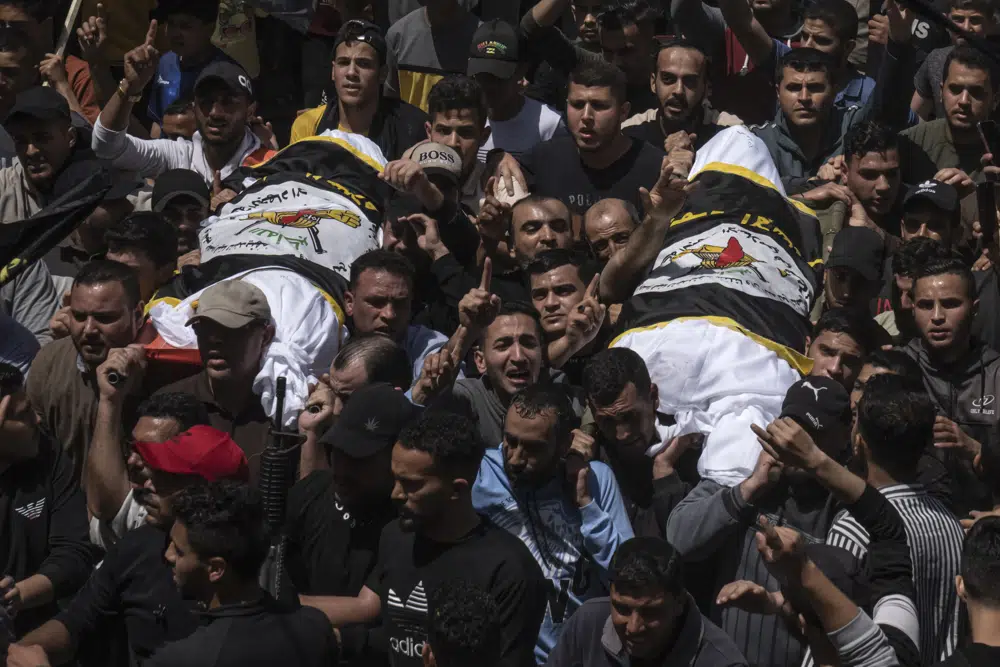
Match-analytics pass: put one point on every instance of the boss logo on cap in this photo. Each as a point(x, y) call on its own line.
point(437, 155)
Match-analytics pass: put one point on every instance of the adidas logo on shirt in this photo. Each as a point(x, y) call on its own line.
point(417, 600)
point(31, 510)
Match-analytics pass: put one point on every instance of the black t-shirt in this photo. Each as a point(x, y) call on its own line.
point(134, 584)
point(330, 550)
point(557, 171)
point(974, 655)
point(652, 133)
point(410, 567)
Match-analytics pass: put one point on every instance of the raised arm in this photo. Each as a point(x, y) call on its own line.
point(748, 31)
point(626, 269)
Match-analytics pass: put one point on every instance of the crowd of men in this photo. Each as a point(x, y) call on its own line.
point(498, 469)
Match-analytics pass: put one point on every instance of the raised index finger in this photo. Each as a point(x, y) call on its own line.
point(487, 274)
point(594, 287)
point(151, 33)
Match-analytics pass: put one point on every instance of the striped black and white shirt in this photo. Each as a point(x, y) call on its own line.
point(935, 539)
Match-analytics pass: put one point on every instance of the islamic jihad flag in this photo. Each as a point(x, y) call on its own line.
point(78, 191)
point(739, 253)
point(312, 208)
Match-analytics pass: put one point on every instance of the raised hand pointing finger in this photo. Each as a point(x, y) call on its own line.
point(484, 284)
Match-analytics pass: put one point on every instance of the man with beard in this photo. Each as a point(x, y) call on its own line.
point(680, 82)
point(218, 542)
point(335, 516)
point(597, 161)
point(105, 313)
point(623, 401)
point(233, 326)
point(359, 70)
point(961, 374)
point(223, 102)
point(719, 522)
point(569, 514)
point(437, 537)
point(134, 586)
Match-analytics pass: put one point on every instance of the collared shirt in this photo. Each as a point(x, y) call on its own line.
point(249, 429)
point(935, 539)
point(151, 157)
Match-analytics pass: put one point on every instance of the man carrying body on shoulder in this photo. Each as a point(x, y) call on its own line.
point(840, 341)
point(182, 197)
point(218, 543)
point(234, 329)
point(359, 70)
point(105, 313)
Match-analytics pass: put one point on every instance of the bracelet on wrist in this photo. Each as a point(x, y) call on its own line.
point(123, 90)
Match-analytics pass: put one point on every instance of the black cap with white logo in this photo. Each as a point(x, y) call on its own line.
point(371, 421)
point(229, 73)
point(818, 404)
point(941, 196)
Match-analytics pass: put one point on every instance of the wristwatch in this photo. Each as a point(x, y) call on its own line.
point(123, 91)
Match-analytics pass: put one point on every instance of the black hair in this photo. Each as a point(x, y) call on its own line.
point(512, 308)
point(383, 260)
point(98, 271)
point(179, 106)
point(973, 59)
point(984, 7)
point(863, 329)
point(550, 260)
point(869, 136)
point(383, 358)
point(981, 562)
point(840, 15)
point(11, 379)
point(601, 74)
point(608, 373)
point(897, 363)
point(547, 397)
point(147, 232)
point(182, 407)
point(206, 11)
point(683, 43)
point(804, 59)
point(452, 441)
point(225, 520)
point(896, 419)
point(463, 625)
point(457, 92)
point(952, 266)
point(917, 252)
point(645, 566)
point(618, 14)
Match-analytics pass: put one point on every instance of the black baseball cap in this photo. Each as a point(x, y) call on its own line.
point(941, 196)
point(39, 102)
point(371, 421)
point(229, 73)
point(818, 404)
point(495, 50)
point(857, 248)
point(179, 183)
point(362, 31)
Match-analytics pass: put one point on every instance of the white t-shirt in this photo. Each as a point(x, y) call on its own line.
point(536, 123)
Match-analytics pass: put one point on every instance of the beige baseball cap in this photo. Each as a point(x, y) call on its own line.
point(233, 304)
point(436, 159)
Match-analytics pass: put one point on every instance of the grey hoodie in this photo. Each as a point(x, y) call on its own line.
point(965, 392)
